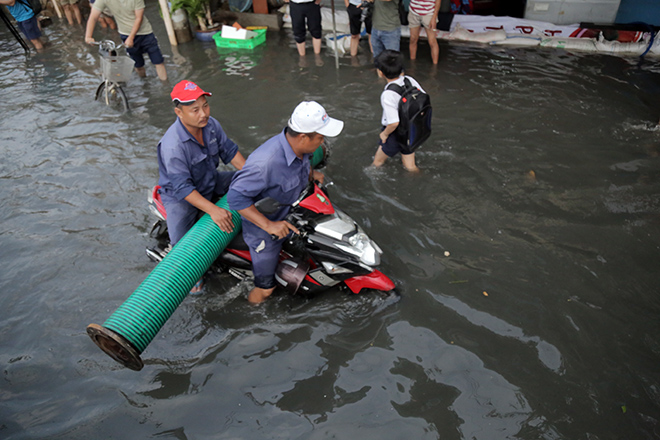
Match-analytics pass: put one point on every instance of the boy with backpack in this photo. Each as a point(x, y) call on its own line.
point(406, 116)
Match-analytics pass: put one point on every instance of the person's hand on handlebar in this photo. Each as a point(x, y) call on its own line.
point(90, 40)
point(281, 229)
point(317, 176)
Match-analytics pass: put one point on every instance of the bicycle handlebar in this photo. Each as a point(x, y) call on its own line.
point(108, 45)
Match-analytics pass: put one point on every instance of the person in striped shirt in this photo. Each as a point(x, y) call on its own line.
point(424, 12)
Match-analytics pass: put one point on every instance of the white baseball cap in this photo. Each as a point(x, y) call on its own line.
point(310, 117)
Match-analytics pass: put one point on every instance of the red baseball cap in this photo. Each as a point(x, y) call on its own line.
point(186, 92)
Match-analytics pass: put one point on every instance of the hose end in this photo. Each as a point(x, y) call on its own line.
point(115, 346)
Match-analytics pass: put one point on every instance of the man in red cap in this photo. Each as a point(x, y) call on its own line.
point(188, 155)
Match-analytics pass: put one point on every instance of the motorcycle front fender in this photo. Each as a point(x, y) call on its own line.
point(375, 280)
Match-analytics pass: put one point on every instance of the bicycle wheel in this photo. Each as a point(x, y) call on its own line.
point(113, 96)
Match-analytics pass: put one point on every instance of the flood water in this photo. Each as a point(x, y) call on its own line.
point(526, 253)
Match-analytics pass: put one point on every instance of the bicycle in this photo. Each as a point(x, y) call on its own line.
point(115, 69)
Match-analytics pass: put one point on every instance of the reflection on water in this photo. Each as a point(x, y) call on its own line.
point(538, 187)
point(548, 354)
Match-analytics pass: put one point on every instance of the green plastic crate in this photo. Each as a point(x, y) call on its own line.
point(233, 43)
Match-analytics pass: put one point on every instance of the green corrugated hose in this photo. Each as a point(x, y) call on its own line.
point(128, 331)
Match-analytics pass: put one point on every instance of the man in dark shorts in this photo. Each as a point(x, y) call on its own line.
point(354, 9)
point(27, 21)
point(135, 31)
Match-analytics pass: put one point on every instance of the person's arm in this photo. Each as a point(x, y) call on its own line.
point(220, 216)
point(434, 18)
point(316, 175)
point(139, 16)
point(280, 228)
point(8, 2)
point(238, 161)
point(346, 3)
point(389, 129)
point(91, 23)
point(389, 100)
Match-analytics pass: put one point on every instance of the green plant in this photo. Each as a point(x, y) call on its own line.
point(199, 10)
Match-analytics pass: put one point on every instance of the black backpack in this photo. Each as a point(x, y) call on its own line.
point(35, 5)
point(414, 115)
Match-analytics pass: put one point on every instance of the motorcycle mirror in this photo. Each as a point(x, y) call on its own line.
point(267, 205)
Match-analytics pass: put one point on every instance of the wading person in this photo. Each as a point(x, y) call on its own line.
point(305, 15)
point(355, 10)
point(386, 26)
point(424, 13)
point(279, 169)
point(188, 155)
point(135, 32)
point(389, 65)
point(71, 11)
point(27, 21)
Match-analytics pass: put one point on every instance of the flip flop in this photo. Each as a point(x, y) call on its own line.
point(198, 287)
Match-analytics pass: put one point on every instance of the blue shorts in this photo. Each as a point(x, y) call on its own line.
point(144, 44)
point(30, 28)
point(181, 215)
point(392, 146)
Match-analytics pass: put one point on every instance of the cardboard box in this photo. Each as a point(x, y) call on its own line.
point(237, 34)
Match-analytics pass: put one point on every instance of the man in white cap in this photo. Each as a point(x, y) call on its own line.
point(279, 169)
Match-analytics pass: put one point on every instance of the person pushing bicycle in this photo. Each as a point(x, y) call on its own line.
point(135, 32)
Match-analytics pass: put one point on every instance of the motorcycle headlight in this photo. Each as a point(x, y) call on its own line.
point(362, 247)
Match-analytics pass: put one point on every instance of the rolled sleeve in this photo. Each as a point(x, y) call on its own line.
point(238, 201)
point(247, 185)
point(226, 147)
point(389, 100)
point(228, 151)
point(178, 171)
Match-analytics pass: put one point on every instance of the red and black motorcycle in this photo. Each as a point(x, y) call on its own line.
point(331, 249)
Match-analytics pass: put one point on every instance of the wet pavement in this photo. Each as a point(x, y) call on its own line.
point(525, 253)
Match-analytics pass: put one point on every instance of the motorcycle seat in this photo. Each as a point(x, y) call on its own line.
point(238, 243)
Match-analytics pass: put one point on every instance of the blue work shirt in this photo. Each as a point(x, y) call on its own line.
point(184, 165)
point(272, 170)
point(20, 11)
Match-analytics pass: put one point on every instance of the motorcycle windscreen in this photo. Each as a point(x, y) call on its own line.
point(318, 202)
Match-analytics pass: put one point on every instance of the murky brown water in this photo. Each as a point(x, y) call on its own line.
point(541, 181)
